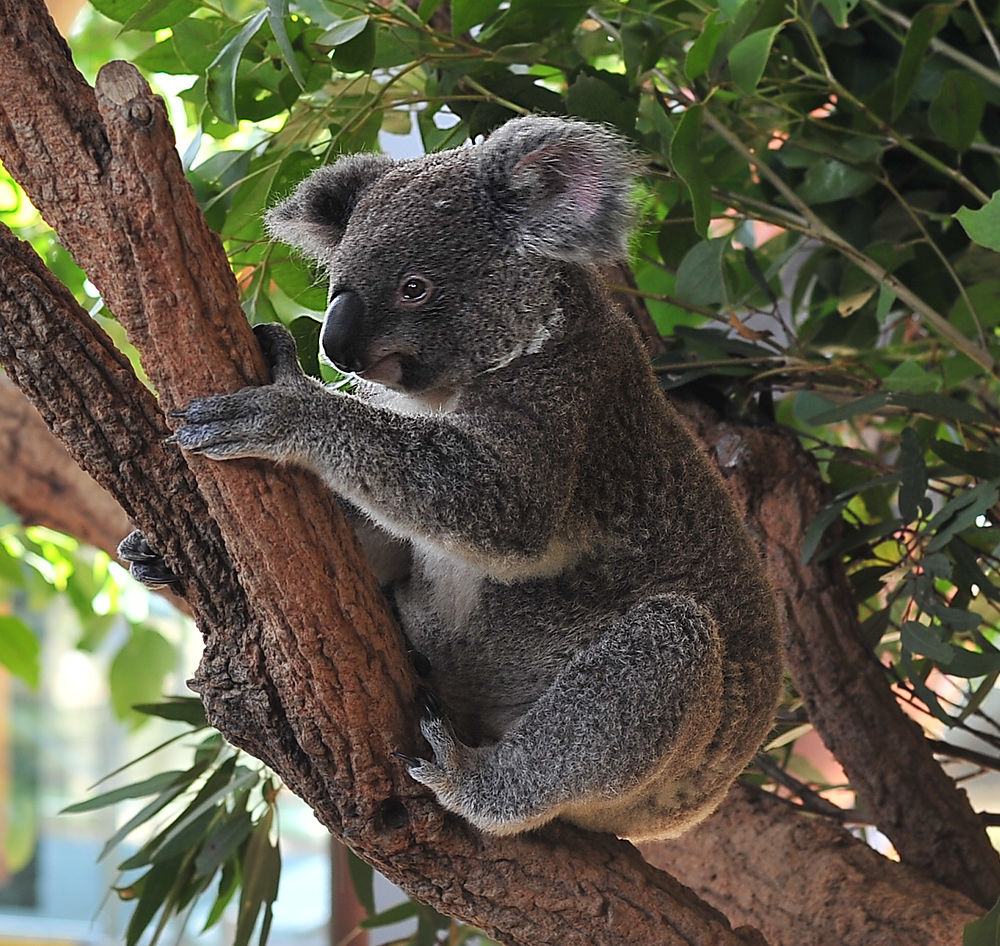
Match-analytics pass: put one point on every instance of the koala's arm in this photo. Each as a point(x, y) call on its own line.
point(456, 480)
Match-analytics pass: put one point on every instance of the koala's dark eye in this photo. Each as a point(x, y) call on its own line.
point(414, 290)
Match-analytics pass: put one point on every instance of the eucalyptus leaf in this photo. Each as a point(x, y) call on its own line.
point(749, 56)
point(20, 650)
point(685, 157)
point(222, 70)
point(913, 484)
point(984, 931)
point(153, 785)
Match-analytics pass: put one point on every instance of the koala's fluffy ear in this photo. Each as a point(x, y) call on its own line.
point(314, 218)
point(565, 184)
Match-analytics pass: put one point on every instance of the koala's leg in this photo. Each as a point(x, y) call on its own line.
point(651, 685)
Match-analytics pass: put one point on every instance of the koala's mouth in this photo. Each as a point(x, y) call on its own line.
point(386, 369)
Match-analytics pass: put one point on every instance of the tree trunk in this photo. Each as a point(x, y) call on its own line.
point(303, 666)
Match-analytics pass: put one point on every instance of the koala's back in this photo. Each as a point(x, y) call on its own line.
point(644, 514)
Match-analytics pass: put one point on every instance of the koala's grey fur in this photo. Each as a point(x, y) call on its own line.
point(600, 631)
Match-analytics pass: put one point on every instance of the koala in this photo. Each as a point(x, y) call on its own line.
point(599, 638)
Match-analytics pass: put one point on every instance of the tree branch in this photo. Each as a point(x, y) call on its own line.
point(805, 882)
point(888, 760)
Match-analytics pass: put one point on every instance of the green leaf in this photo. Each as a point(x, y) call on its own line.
point(261, 873)
point(839, 10)
point(924, 692)
point(358, 53)
point(596, 98)
point(150, 890)
point(685, 156)
point(983, 225)
point(957, 110)
point(150, 786)
point(344, 31)
point(828, 179)
point(138, 671)
point(185, 709)
point(886, 298)
point(222, 843)
point(157, 14)
point(396, 914)
point(749, 56)
point(19, 650)
point(817, 528)
point(222, 70)
point(918, 638)
point(362, 880)
point(141, 817)
point(700, 279)
point(979, 463)
point(277, 10)
point(961, 513)
point(702, 51)
point(923, 28)
point(913, 484)
point(468, 13)
point(984, 931)
point(910, 378)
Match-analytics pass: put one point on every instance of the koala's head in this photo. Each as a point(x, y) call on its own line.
point(441, 267)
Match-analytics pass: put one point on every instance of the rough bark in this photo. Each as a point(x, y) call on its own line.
point(806, 882)
point(315, 684)
point(885, 754)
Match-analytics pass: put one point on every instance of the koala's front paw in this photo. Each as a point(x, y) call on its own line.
point(253, 422)
point(145, 564)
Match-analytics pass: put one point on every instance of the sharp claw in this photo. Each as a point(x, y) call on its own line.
point(430, 706)
point(410, 761)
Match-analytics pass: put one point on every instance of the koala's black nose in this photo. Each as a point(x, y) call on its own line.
point(340, 337)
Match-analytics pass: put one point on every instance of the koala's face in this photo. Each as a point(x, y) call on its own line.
point(442, 267)
point(424, 288)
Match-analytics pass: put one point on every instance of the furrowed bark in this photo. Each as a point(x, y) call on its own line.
point(885, 754)
point(806, 882)
point(303, 666)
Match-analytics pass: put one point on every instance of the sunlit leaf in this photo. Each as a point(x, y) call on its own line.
point(468, 13)
point(277, 10)
point(20, 650)
point(138, 671)
point(222, 70)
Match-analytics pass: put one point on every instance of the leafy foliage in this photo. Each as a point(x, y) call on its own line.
point(215, 825)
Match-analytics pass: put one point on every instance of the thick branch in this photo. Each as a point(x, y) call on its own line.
point(888, 760)
point(43, 484)
point(805, 882)
point(303, 666)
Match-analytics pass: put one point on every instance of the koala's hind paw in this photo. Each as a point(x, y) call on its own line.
point(145, 564)
point(449, 754)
